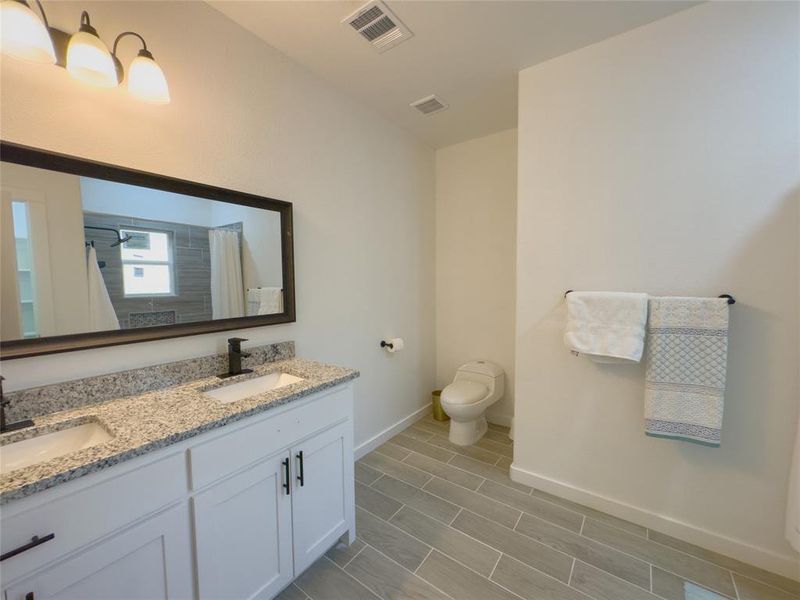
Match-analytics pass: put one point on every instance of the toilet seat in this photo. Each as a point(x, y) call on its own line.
point(464, 392)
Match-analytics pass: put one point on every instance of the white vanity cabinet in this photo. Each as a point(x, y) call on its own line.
point(237, 512)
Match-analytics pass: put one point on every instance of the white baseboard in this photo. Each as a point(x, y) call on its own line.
point(391, 431)
point(760, 557)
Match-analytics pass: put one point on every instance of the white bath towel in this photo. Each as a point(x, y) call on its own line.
point(264, 301)
point(102, 316)
point(687, 353)
point(606, 326)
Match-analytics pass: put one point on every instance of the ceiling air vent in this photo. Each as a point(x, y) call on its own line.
point(429, 105)
point(376, 24)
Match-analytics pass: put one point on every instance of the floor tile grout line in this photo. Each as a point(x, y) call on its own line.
point(350, 576)
point(395, 512)
point(423, 561)
point(735, 587)
point(354, 556)
point(651, 577)
point(414, 572)
point(461, 509)
point(583, 522)
point(494, 568)
point(571, 569)
point(377, 480)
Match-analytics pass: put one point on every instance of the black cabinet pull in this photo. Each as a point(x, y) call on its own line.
point(286, 485)
point(35, 541)
point(300, 477)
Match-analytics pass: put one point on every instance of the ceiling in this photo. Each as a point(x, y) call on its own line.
point(466, 52)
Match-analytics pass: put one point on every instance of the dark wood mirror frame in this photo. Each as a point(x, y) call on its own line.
point(43, 159)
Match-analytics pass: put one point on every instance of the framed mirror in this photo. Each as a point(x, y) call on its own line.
point(98, 255)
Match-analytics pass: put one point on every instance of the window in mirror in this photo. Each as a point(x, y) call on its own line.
point(25, 281)
point(147, 267)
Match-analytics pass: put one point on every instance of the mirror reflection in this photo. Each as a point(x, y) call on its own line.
point(81, 255)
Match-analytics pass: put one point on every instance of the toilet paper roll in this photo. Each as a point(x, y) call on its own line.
point(396, 345)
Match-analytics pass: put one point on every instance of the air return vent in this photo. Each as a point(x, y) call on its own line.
point(429, 105)
point(376, 24)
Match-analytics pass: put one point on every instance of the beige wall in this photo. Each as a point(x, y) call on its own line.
point(476, 196)
point(245, 117)
point(665, 160)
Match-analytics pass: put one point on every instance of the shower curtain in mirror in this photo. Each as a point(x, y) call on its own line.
point(227, 291)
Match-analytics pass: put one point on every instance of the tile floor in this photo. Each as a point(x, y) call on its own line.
point(438, 521)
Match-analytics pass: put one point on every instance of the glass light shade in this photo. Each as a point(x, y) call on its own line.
point(89, 60)
point(24, 36)
point(146, 81)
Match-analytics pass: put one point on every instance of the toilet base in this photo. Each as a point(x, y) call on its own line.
point(466, 433)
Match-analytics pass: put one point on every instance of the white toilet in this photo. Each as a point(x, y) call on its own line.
point(476, 386)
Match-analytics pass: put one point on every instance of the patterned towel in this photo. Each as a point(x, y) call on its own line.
point(687, 353)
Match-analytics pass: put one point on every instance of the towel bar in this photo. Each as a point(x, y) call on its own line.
point(731, 299)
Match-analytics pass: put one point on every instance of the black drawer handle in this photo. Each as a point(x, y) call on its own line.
point(287, 485)
point(300, 477)
point(35, 541)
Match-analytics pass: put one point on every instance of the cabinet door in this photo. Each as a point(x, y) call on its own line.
point(322, 503)
point(148, 561)
point(243, 533)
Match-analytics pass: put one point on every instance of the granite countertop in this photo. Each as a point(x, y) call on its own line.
point(151, 420)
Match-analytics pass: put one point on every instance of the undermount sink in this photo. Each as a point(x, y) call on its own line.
point(41, 448)
point(252, 387)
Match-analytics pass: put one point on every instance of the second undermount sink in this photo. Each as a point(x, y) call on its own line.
point(252, 387)
point(38, 449)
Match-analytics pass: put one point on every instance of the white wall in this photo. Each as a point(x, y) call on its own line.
point(476, 202)
point(98, 195)
point(245, 117)
point(665, 160)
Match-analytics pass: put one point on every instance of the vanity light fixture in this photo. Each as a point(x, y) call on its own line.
point(83, 54)
point(88, 58)
point(146, 80)
point(24, 35)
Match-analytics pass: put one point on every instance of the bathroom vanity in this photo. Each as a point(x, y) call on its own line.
point(195, 494)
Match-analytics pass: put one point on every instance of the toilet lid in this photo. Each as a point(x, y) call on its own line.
point(464, 392)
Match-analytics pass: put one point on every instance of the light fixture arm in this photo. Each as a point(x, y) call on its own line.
point(122, 35)
point(44, 15)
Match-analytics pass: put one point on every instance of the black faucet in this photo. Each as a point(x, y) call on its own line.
point(235, 356)
point(4, 427)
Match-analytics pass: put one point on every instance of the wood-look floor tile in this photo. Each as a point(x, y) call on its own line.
point(533, 505)
point(389, 580)
point(516, 545)
point(292, 592)
point(504, 464)
point(477, 503)
point(342, 554)
point(459, 582)
point(442, 428)
point(325, 581)
point(392, 451)
point(394, 543)
point(594, 514)
point(680, 563)
point(423, 501)
point(530, 583)
point(498, 436)
point(749, 589)
point(472, 452)
point(477, 556)
point(418, 433)
point(365, 474)
point(589, 551)
point(603, 586)
point(376, 502)
point(784, 583)
point(487, 472)
point(396, 469)
point(425, 448)
point(672, 587)
point(496, 447)
point(444, 471)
